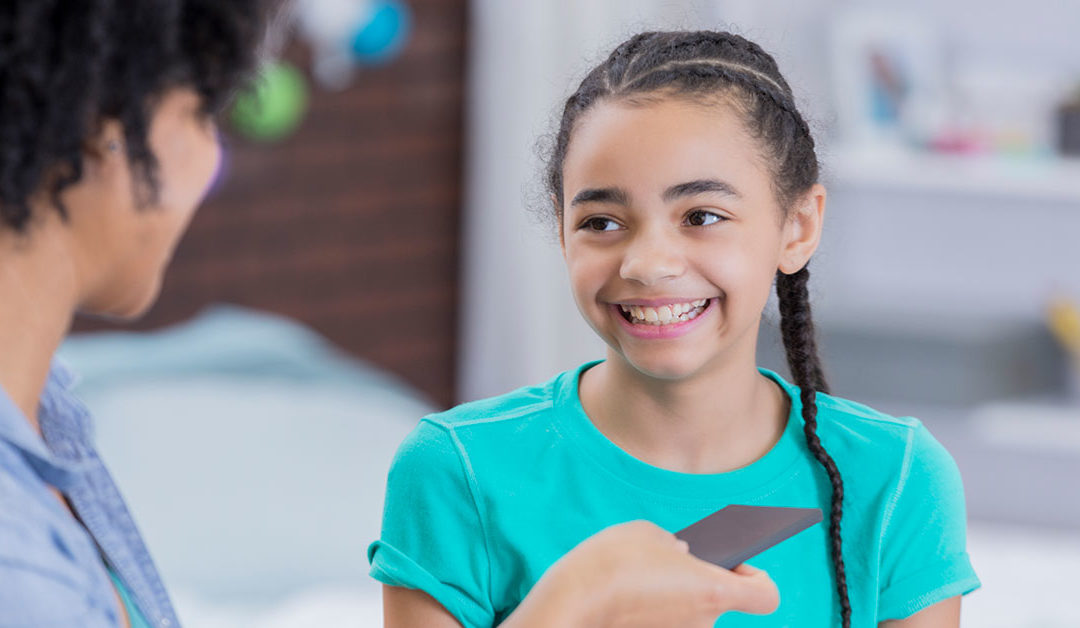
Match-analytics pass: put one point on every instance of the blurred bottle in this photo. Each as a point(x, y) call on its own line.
point(1064, 319)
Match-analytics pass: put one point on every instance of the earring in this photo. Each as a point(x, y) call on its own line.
point(112, 146)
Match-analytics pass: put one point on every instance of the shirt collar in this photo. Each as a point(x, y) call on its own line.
point(58, 412)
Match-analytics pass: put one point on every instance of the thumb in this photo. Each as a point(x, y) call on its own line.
point(745, 569)
point(745, 589)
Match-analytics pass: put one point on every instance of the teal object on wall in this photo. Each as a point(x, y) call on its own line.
point(383, 36)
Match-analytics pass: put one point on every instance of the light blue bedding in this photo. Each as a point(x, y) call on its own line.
point(222, 340)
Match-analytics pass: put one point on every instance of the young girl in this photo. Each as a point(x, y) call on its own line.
point(684, 181)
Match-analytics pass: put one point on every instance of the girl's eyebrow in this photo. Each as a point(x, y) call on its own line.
point(700, 186)
point(690, 188)
point(601, 195)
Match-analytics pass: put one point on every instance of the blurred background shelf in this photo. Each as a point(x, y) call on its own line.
point(1048, 178)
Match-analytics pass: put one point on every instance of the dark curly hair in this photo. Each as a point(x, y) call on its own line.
point(715, 65)
point(68, 65)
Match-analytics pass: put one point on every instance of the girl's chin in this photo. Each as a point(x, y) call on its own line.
point(669, 367)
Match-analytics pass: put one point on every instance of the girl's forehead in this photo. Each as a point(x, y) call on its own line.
point(660, 142)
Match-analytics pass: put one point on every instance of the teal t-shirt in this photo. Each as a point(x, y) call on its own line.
point(135, 617)
point(483, 498)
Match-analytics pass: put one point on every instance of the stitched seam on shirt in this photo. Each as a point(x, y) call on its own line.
point(534, 408)
point(834, 404)
point(474, 490)
point(921, 602)
point(937, 566)
point(917, 603)
point(905, 470)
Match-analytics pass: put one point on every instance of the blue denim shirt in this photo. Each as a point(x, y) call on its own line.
point(52, 569)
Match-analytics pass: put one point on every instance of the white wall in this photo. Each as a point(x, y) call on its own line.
point(519, 323)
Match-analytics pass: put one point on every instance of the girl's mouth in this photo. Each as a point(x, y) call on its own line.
point(671, 314)
point(662, 321)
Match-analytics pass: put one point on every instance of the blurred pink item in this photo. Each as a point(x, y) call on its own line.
point(957, 142)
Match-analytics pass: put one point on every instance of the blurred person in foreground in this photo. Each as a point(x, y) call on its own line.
point(108, 144)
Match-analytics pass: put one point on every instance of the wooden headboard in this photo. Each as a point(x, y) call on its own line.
point(351, 224)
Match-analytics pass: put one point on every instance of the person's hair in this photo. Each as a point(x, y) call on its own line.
point(66, 66)
point(721, 67)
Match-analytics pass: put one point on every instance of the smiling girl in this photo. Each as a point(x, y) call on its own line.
point(684, 182)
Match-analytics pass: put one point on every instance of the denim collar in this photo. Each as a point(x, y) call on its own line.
point(60, 417)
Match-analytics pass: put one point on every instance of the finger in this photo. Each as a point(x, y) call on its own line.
point(755, 592)
point(747, 590)
point(746, 569)
point(648, 529)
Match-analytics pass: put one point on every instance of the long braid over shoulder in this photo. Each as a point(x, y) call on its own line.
point(797, 330)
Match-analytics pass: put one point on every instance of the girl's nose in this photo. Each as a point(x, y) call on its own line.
point(650, 259)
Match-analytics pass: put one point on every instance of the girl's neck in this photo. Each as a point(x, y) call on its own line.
point(719, 420)
point(37, 293)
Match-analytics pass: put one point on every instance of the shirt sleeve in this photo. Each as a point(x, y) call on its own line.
point(924, 557)
point(433, 537)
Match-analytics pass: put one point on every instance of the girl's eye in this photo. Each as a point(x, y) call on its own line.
point(598, 223)
point(702, 218)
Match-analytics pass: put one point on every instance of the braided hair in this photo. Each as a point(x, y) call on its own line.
point(712, 65)
point(68, 65)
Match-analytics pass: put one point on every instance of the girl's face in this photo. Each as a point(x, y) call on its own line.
point(672, 234)
point(124, 249)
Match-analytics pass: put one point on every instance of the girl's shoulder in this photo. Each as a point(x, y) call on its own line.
point(859, 416)
point(857, 427)
point(519, 403)
point(481, 435)
point(520, 424)
point(859, 419)
point(558, 394)
point(868, 438)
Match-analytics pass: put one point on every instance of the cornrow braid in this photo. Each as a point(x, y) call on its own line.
point(707, 64)
point(736, 69)
point(797, 330)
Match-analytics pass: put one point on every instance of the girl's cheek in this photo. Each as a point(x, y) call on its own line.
point(598, 269)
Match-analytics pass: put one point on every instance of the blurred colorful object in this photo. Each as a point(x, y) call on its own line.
point(1069, 125)
point(1065, 323)
point(889, 86)
point(273, 108)
point(384, 35)
point(347, 33)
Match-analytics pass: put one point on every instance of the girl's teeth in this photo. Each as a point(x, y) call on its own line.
point(665, 314)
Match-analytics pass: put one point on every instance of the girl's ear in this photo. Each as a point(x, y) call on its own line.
point(802, 230)
point(105, 147)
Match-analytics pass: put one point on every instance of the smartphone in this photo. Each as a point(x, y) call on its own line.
point(734, 533)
